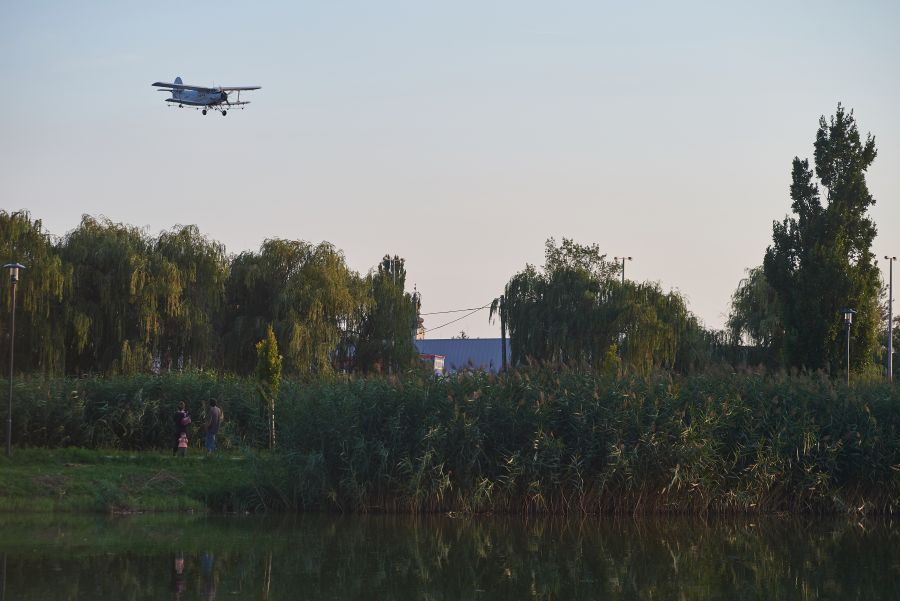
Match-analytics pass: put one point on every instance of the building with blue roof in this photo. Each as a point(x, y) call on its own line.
point(462, 354)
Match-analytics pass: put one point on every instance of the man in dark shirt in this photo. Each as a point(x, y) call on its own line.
point(213, 420)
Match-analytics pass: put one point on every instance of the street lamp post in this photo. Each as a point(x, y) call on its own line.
point(622, 334)
point(848, 319)
point(13, 280)
point(890, 324)
point(623, 259)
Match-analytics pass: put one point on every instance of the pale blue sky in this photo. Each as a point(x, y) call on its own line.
point(459, 135)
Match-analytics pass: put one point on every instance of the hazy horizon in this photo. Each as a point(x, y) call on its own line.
point(460, 137)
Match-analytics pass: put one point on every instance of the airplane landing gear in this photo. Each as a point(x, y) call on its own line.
point(224, 113)
point(204, 111)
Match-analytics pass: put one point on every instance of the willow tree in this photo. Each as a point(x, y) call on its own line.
point(755, 314)
point(575, 311)
point(653, 324)
point(820, 260)
point(552, 313)
point(40, 328)
point(755, 328)
point(306, 292)
point(113, 313)
point(192, 314)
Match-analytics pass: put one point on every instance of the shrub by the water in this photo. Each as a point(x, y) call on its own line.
point(128, 413)
point(538, 440)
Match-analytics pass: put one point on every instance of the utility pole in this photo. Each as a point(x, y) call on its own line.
point(890, 324)
point(393, 312)
point(623, 259)
point(503, 330)
point(417, 305)
point(12, 354)
point(621, 334)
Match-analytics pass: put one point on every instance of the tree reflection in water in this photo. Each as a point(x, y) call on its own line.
point(443, 558)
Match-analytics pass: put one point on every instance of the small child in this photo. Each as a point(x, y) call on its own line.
point(182, 444)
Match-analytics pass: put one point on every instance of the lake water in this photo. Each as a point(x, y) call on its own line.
point(444, 558)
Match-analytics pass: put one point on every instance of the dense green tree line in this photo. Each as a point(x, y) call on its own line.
point(110, 298)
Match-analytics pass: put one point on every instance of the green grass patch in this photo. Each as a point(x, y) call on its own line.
point(121, 482)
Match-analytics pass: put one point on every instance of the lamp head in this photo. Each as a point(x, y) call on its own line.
point(13, 271)
point(848, 315)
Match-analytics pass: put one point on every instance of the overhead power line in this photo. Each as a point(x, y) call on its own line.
point(473, 312)
point(452, 311)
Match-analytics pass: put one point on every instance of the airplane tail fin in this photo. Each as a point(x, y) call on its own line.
point(176, 92)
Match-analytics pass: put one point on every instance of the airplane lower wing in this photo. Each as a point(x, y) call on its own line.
point(187, 102)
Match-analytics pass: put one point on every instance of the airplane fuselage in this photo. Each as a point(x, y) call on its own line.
point(194, 98)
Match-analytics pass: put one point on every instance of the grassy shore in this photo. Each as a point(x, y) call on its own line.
point(81, 480)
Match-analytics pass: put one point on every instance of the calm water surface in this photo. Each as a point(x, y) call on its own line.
point(377, 557)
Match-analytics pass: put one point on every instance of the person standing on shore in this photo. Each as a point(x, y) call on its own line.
point(213, 420)
point(179, 584)
point(182, 421)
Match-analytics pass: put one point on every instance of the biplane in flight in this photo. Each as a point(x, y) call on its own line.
point(204, 99)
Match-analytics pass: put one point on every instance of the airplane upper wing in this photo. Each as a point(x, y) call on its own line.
point(178, 86)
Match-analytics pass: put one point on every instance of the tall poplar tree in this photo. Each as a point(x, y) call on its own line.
point(387, 331)
point(820, 260)
point(268, 377)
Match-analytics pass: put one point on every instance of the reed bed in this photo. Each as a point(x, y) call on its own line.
point(533, 441)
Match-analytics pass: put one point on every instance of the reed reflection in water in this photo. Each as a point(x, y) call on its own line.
point(444, 558)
